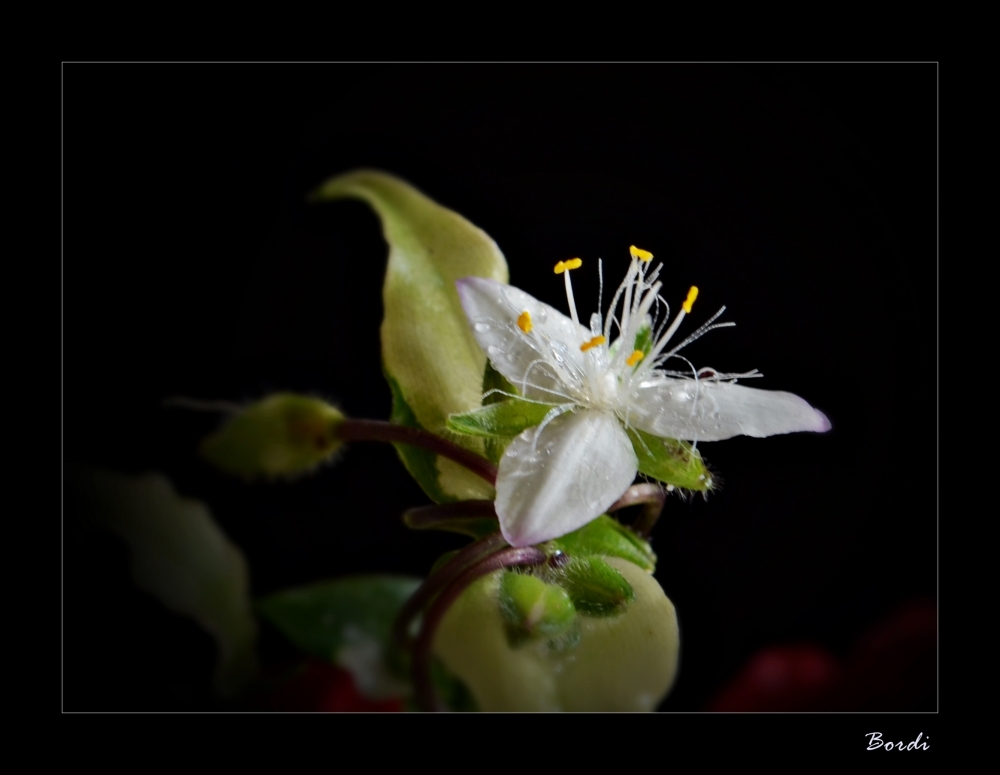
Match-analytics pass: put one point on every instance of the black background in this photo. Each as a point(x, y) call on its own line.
point(801, 196)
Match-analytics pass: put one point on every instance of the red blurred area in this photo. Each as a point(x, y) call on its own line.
point(892, 667)
point(319, 687)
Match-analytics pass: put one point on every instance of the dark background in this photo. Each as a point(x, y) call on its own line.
point(801, 196)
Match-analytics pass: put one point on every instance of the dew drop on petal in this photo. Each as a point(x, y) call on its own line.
point(482, 327)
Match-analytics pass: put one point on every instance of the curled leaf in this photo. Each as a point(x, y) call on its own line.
point(429, 353)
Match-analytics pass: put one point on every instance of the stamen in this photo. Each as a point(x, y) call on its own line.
point(692, 295)
point(562, 266)
point(524, 322)
point(635, 357)
point(593, 343)
point(639, 253)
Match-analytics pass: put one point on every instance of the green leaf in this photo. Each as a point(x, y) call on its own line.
point(595, 587)
point(422, 464)
point(347, 621)
point(427, 344)
point(181, 557)
point(606, 537)
point(281, 435)
point(505, 419)
point(671, 461)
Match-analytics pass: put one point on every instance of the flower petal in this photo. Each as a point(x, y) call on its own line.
point(549, 357)
point(581, 464)
point(711, 411)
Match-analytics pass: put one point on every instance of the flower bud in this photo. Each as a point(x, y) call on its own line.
point(595, 587)
point(281, 435)
point(531, 608)
point(623, 662)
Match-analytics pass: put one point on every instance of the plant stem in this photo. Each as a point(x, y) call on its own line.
point(652, 497)
point(378, 430)
point(440, 514)
point(427, 698)
point(426, 592)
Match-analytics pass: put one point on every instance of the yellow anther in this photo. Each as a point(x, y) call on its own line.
point(562, 266)
point(635, 357)
point(524, 322)
point(692, 295)
point(592, 343)
point(645, 255)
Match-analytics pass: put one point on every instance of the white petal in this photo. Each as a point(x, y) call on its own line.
point(582, 463)
point(493, 309)
point(711, 411)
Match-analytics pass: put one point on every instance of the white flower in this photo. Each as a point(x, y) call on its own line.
point(559, 475)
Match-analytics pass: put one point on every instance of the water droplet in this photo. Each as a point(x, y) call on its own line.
point(541, 315)
point(482, 327)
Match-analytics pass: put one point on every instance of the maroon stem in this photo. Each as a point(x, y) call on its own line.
point(652, 497)
point(378, 430)
point(427, 698)
point(427, 517)
point(447, 573)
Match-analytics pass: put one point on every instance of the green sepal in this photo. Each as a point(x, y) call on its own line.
point(281, 435)
point(607, 537)
point(595, 588)
point(504, 419)
point(348, 622)
point(494, 380)
point(532, 608)
point(671, 461)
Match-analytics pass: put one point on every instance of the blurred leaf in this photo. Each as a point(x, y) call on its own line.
point(179, 555)
point(607, 537)
point(347, 621)
point(427, 346)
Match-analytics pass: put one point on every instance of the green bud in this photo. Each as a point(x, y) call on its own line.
point(596, 588)
point(671, 461)
point(282, 435)
point(620, 663)
point(531, 608)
